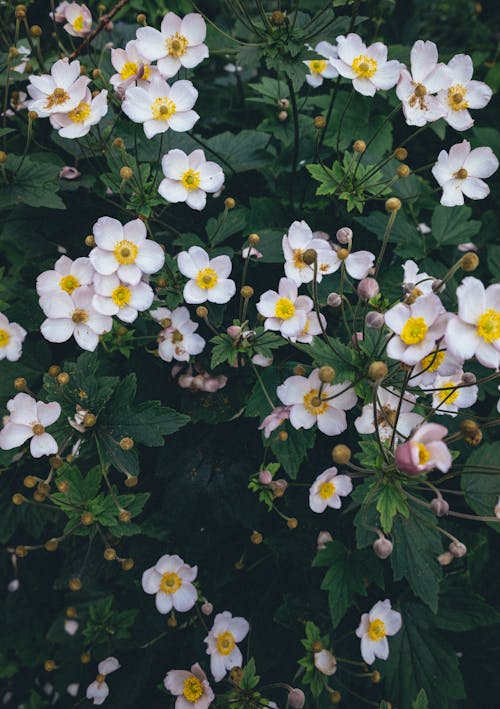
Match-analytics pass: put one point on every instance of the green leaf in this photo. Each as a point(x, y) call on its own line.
point(341, 357)
point(405, 235)
point(228, 223)
point(223, 351)
point(325, 176)
point(451, 226)
point(291, 453)
point(421, 701)
point(462, 609)
point(244, 150)
point(35, 183)
point(391, 501)
point(482, 491)
point(249, 679)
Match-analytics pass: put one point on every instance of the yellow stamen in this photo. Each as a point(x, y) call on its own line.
point(177, 45)
point(433, 361)
point(170, 583)
point(448, 393)
point(488, 325)
point(225, 643)
point(121, 296)
point(313, 404)
point(80, 113)
point(163, 108)
point(318, 66)
point(284, 309)
point(128, 70)
point(193, 689)
point(56, 98)
point(38, 429)
point(78, 23)
point(207, 278)
point(414, 331)
point(364, 66)
point(326, 490)
point(4, 338)
point(297, 259)
point(191, 179)
point(69, 283)
point(456, 97)
point(423, 453)
point(461, 174)
point(125, 252)
point(377, 631)
point(79, 316)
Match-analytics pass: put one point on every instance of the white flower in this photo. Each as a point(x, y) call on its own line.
point(302, 394)
point(160, 106)
point(72, 689)
point(424, 451)
point(11, 339)
point(357, 264)
point(112, 297)
point(414, 282)
point(190, 688)
point(178, 339)
point(327, 490)
point(189, 177)
point(475, 331)
point(298, 240)
point(208, 277)
point(250, 250)
point(59, 12)
point(321, 69)
point(170, 579)
point(452, 394)
point(78, 19)
point(177, 43)
point(325, 662)
point(58, 92)
point(99, 690)
point(285, 310)
point(24, 52)
point(459, 172)
point(67, 276)
point(29, 419)
point(463, 93)
point(75, 315)
point(366, 66)
point(130, 65)
point(77, 122)
point(374, 629)
point(416, 328)
point(313, 327)
point(388, 405)
point(221, 643)
point(124, 249)
point(416, 90)
point(71, 626)
point(439, 361)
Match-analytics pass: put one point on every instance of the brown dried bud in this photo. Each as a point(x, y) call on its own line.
point(32, 116)
point(118, 143)
point(126, 173)
point(20, 12)
point(319, 122)
point(172, 622)
point(96, 73)
point(471, 432)
point(229, 203)
point(247, 292)
point(403, 171)
point(470, 261)
point(375, 677)
point(20, 384)
point(292, 523)
point(326, 374)
point(201, 311)
point(359, 146)
point(377, 371)
point(39, 496)
point(393, 204)
point(18, 498)
point(71, 612)
point(256, 538)
point(341, 454)
point(63, 378)
point(126, 443)
point(309, 256)
point(401, 154)
point(75, 583)
point(317, 646)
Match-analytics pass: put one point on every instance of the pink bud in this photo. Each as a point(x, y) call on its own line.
point(210, 384)
point(403, 457)
point(457, 549)
point(440, 507)
point(344, 235)
point(383, 547)
point(185, 381)
point(368, 288)
point(265, 477)
point(13, 585)
point(469, 378)
point(296, 698)
point(357, 337)
point(445, 558)
point(323, 539)
point(69, 173)
point(374, 320)
point(233, 331)
point(207, 608)
point(334, 300)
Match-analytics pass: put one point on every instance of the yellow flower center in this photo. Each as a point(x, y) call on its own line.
point(69, 283)
point(79, 316)
point(80, 113)
point(313, 403)
point(177, 336)
point(4, 338)
point(284, 309)
point(125, 252)
point(433, 361)
point(461, 174)
point(191, 179)
point(163, 108)
point(456, 97)
point(38, 429)
point(56, 98)
point(488, 325)
point(318, 66)
point(193, 689)
point(128, 69)
point(423, 453)
point(364, 66)
point(78, 23)
point(414, 331)
point(177, 45)
point(225, 643)
point(297, 258)
point(170, 582)
point(121, 296)
point(448, 393)
point(376, 631)
point(207, 278)
point(326, 490)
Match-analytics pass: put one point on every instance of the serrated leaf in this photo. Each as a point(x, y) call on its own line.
point(420, 701)
point(462, 609)
point(390, 503)
point(218, 230)
point(325, 176)
point(292, 452)
point(482, 491)
point(451, 226)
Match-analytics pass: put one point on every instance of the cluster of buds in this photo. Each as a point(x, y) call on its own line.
point(200, 380)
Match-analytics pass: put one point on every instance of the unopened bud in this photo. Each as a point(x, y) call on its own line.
point(62, 486)
point(445, 558)
point(127, 564)
point(87, 518)
point(207, 608)
point(35, 31)
point(254, 239)
point(368, 288)
point(124, 516)
point(309, 256)
point(393, 204)
point(54, 370)
point(131, 481)
point(29, 481)
point(3, 157)
point(335, 697)
point(278, 18)
point(109, 554)
point(20, 384)
point(299, 370)
point(126, 443)
point(383, 547)
point(457, 549)
point(470, 261)
point(401, 153)
point(374, 320)
point(229, 203)
point(341, 454)
point(118, 143)
point(75, 583)
point(440, 507)
point(89, 420)
point(90, 241)
point(283, 436)
point(63, 378)
point(323, 539)
point(319, 122)
point(334, 300)
point(51, 545)
point(247, 292)
point(344, 235)
point(471, 432)
point(296, 698)
point(326, 374)
point(256, 538)
point(283, 103)
point(18, 498)
point(20, 12)
point(403, 171)
point(375, 677)
point(265, 477)
point(278, 487)
point(141, 19)
point(359, 146)
point(126, 173)
point(469, 378)
point(85, 658)
point(49, 665)
point(282, 116)
point(292, 523)
point(377, 371)
point(201, 311)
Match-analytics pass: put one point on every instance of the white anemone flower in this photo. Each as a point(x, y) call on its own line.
point(285, 310)
point(460, 172)
point(314, 326)
point(366, 66)
point(27, 419)
point(179, 42)
point(75, 315)
point(295, 243)
point(374, 629)
point(159, 106)
point(130, 65)
point(188, 178)
point(99, 690)
point(417, 89)
point(416, 283)
point(325, 662)
point(321, 69)
point(24, 53)
point(112, 297)
point(58, 92)
point(328, 489)
point(191, 688)
point(221, 643)
point(449, 394)
point(309, 407)
point(124, 249)
point(475, 331)
point(66, 276)
point(59, 12)
point(78, 122)
point(463, 93)
point(392, 412)
point(12, 337)
point(438, 362)
point(170, 580)
point(357, 263)
point(416, 328)
point(178, 339)
point(78, 19)
point(208, 278)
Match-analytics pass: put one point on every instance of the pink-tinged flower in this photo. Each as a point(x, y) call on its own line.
point(179, 42)
point(321, 69)
point(357, 264)
point(27, 419)
point(66, 277)
point(416, 328)
point(188, 178)
point(252, 251)
point(414, 282)
point(78, 122)
point(439, 362)
point(221, 643)
point(467, 246)
point(170, 580)
point(416, 90)
point(296, 698)
point(325, 662)
point(275, 419)
point(381, 622)
point(323, 539)
point(69, 173)
point(313, 327)
point(261, 360)
point(130, 65)
point(99, 690)
point(452, 395)
point(58, 92)
point(78, 19)
point(12, 337)
point(475, 331)
point(112, 297)
point(25, 53)
point(366, 66)
point(424, 451)
point(159, 106)
point(191, 688)
point(73, 315)
point(392, 412)
point(460, 172)
point(462, 93)
point(328, 489)
point(178, 339)
point(59, 14)
point(285, 310)
point(71, 626)
point(309, 407)
point(208, 278)
point(298, 240)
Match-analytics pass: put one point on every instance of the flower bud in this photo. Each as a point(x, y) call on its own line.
point(404, 459)
point(470, 261)
point(368, 288)
point(383, 547)
point(126, 173)
point(62, 486)
point(89, 420)
point(278, 18)
point(109, 554)
point(374, 320)
point(344, 235)
point(3, 157)
point(278, 487)
point(296, 698)
point(90, 241)
point(63, 378)
point(256, 538)
point(87, 518)
point(445, 558)
point(127, 564)
point(309, 256)
point(440, 507)
point(254, 239)
point(207, 608)
point(335, 697)
point(377, 371)
point(359, 146)
point(126, 443)
point(18, 498)
point(283, 103)
point(75, 583)
point(325, 662)
point(457, 549)
point(49, 665)
point(20, 384)
point(334, 300)
point(141, 19)
point(131, 481)
point(13, 585)
point(282, 116)
point(118, 143)
point(401, 153)
point(35, 31)
point(471, 432)
point(229, 203)
point(283, 436)
point(469, 378)
point(265, 477)
point(326, 374)
point(341, 454)
point(292, 523)
point(393, 204)
point(201, 311)
point(247, 292)
point(375, 677)
point(319, 122)
point(403, 171)
point(124, 516)
point(85, 658)
point(323, 538)
point(69, 173)
point(51, 545)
